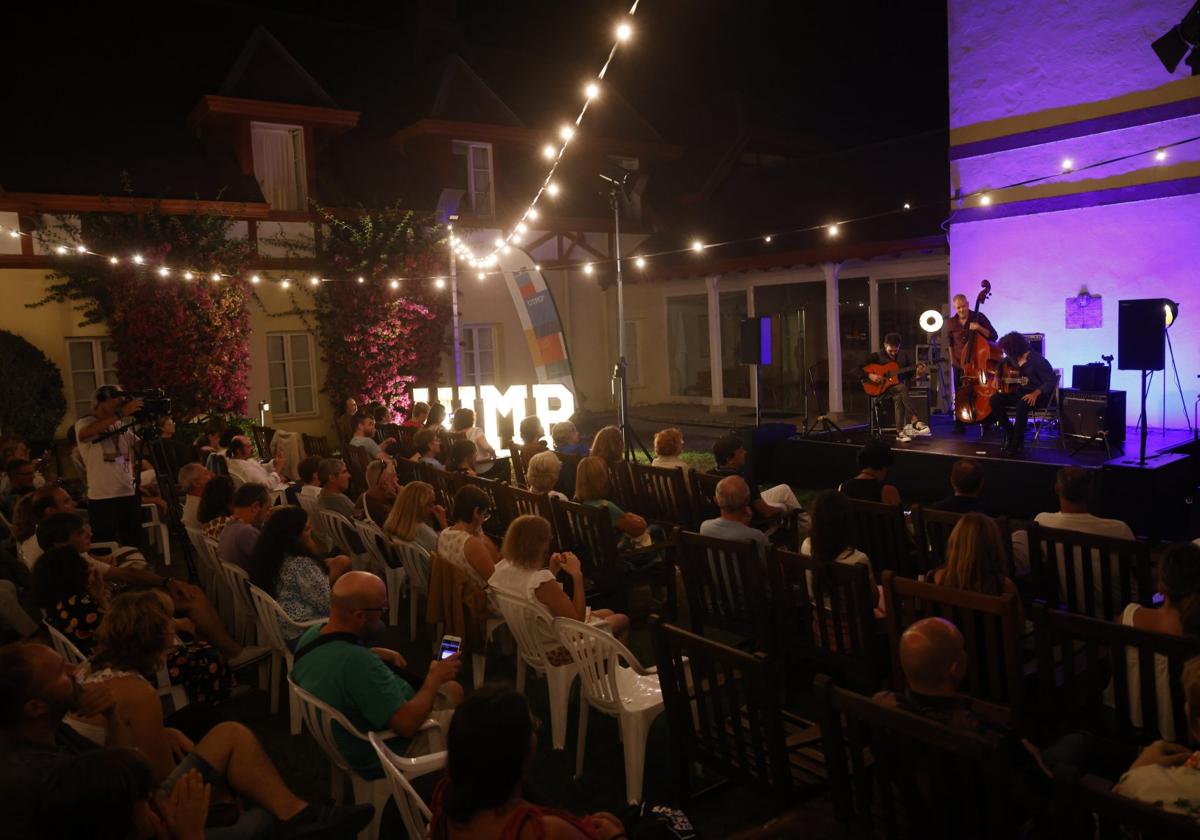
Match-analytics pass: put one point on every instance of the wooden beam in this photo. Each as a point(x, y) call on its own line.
point(34, 203)
point(211, 108)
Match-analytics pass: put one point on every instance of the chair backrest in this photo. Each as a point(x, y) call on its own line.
point(271, 620)
point(598, 656)
point(1095, 586)
point(566, 478)
point(237, 587)
point(373, 540)
point(64, 646)
point(262, 441)
point(498, 523)
point(726, 588)
point(621, 487)
point(1091, 670)
point(406, 471)
point(663, 495)
point(338, 529)
point(315, 446)
point(722, 709)
point(830, 617)
point(512, 502)
point(588, 531)
point(931, 529)
point(917, 776)
point(320, 718)
point(1116, 816)
point(415, 561)
point(991, 630)
point(883, 536)
point(413, 810)
point(445, 484)
point(308, 503)
point(704, 495)
point(531, 626)
point(357, 461)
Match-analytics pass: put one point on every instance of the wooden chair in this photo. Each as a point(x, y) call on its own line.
point(357, 461)
point(991, 629)
point(931, 529)
point(315, 446)
point(406, 471)
point(620, 481)
point(566, 478)
point(723, 711)
point(1084, 667)
point(917, 777)
point(512, 502)
point(883, 537)
point(445, 484)
point(704, 494)
point(497, 524)
point(726, 588)
point(842, 636)
point(588, 531)
point(1096, 588)
point(663, 495)
point(1117, 816)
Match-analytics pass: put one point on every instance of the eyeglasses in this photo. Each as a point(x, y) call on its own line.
point(382, 609)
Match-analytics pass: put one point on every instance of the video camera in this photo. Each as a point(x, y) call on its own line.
point(155, 402)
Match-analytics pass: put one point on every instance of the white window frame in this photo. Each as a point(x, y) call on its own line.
point(633, 361)
point(472, 376)
point(290, 386)
point(471, 146)
point(97, 368)
point(299, 163)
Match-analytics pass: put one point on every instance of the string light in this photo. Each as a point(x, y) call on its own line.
point(395, 284)
point(1160, 155)
point(697, 245)
point(532, 214)
point(907, 206)
point(187, 275)
point(439, 283)
point(588, 268)
point(552, 188)
point(624, 30)
point(216, 278)
point(566, 133)
point(61, 249)
point(1067, 165)
point(833, 230)
point(482, 275)
point(286, 283)
point(81, 249)
point(640, 262)
point(549, 152)
point(137, 259)
point(361, 280)
point(767, 239)
point(114, 260)
point(163, 271)
point(14, 234)
point(985, 199)
point(315, 281)
point(591, 90)
point(255, 279)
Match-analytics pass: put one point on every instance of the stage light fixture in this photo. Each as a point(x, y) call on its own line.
point(931, 321)
point(1171, 311)
point(1179, 40)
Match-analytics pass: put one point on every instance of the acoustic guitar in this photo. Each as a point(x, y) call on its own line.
point(891, 373)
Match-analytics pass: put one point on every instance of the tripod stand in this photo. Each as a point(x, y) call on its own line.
point(152, 448)
point(827, 426)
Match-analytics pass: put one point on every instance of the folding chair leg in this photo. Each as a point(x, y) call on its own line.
point(581, 741)
point(635, 729)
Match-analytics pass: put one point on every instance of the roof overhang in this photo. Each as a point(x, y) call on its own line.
point(60, 203)
point(211, 110)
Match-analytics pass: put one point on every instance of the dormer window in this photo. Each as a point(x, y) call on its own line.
point(480, 186)
point(279, 164)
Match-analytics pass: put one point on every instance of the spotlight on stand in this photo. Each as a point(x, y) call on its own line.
point(1171, 311)
point(931, 321)
point(263, 408)
point(1182, 38)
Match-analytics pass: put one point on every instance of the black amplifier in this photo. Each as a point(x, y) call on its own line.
point(1088, 413)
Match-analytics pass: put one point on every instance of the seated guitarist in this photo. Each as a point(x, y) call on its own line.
point(898, 389)
point(1041, 381)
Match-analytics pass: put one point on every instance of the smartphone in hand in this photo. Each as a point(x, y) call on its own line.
point(450, 646)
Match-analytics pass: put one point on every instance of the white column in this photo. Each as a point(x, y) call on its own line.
point(873, 313)
point(833, 335)
point(712, 284)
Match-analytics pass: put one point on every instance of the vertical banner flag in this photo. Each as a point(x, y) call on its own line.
point(539, 318)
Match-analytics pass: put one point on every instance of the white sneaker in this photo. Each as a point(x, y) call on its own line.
point(920, 429)
point(902, 437)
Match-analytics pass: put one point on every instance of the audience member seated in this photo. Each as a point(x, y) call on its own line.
point(730, 455)
point(491, 745)
point(462, 458)
point(668, 446)
point(566, 439)
point(733, 498)
point(464, 544)
point(463, 425)
point(44, 503)
point(933, 657)
point(976, 560)
point(382, 487)
point(21, 475)
point(38, 689)
point(543, 474)
point(531, 432)
point(208, 442)
point(1179, 615)
point(364, 437)
point(1165, 774)
point(410, 517)
point(609, 445)
point(592, 488)
point(437, 416)
point(344, 421)
point(335, 480)
point(966, 480)
point(1074, 489)
point(363, 683)
point(832, 538)
point(416, 416)
point(179, 452)
point(216, 505)
point(13, 448)
point(247, 470)
point(428, 444)
point(193, 478)
point(870, 485)
point(251, 507)
point(76, 603)
point(528, 571)
point(125, 566)
point(309, 485)
point(285, 565)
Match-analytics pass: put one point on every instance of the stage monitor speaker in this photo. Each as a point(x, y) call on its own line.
point(919, 397)
point(1037, 341)
point(755, 347)
point(1089, 413)
point(1095, 376)
point(1141, 331)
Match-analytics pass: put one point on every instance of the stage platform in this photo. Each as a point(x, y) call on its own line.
point(1156, 499)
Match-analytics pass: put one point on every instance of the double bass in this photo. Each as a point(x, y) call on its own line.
point(980, 362)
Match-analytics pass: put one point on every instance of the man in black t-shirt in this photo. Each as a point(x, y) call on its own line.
point(1040, 384)
point(898, 391)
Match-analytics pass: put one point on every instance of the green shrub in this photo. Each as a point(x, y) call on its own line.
point(32, 402)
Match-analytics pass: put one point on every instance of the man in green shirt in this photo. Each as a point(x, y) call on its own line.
point(334, 665)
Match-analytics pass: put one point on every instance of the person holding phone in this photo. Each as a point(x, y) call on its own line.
point(529, 571)
point(334, 663)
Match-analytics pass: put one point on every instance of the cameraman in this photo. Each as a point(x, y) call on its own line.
point(107, 451)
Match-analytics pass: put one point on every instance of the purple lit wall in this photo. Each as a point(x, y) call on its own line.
point(1033, 84)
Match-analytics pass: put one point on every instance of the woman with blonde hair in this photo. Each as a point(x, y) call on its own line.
point(592, 488)
point(528, 570)
point(668, 445)
point(609, 444)
point(975, 558)
point(410, 516)
point(382, 489)
point(542, 474)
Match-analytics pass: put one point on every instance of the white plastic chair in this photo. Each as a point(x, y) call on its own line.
point(337, 529)
point(245, 627)
point(156, 529)
point(206, 574)
point(631, 694)
point(319, 718)
point(370, 534)
point(400, 770)
point(271, 621)
point(308, 503)
point(414, 565)
point(532, 626)
point(63, 646)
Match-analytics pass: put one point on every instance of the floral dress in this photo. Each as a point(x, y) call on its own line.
point(302, 590)
point(196, 666)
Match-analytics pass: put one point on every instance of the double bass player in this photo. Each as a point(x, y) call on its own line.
point(959, 328)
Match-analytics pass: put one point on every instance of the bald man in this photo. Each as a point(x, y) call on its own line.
point(334, 664)
point(934, 659)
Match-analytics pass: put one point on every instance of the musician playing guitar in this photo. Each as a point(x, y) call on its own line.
point(886, 373)
point(1033, 384)
point(958, 330)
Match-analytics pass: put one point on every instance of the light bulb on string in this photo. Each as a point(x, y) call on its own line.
point(834, 230)
point(907, 206)
point(549, 151)
point(439, 283)
point(14, 234)
point(395, 284)
point(482, 275)
point(768, 238)
point(697, 245)
point(187, 275)
point(81, 249)
point(591, 90)
point(314, 280)
point(361, 280)
point(985, 199)
point(1160, 155)
point(216, 278)
point(588, 268)
point(60, 250)
point(640, 262)
point(624, 30)
point(113, 260)
point(507, 249)
point(137, 259)
point(286, 283)
point(255, 279)
point(499, 243)
point(163, 271)
point(1067, 165)
point(552, 188)
point(566, 133)
point(520, 228)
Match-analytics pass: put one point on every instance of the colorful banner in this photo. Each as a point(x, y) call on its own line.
point(539, 319)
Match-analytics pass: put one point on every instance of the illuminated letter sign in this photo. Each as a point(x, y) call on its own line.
point(553, 403)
